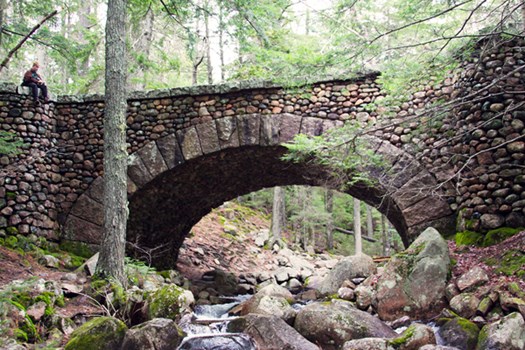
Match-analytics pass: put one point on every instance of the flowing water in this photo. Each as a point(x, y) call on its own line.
point(206, 329)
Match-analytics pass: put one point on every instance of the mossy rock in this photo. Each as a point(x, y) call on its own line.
point(169, 301)
point(101, 333)
point(460, 332)
point(468, 238)
point(499, 235)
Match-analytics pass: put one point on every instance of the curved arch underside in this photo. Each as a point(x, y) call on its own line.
point(169, 195)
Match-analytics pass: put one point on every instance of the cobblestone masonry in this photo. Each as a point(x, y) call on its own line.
point(193, 148)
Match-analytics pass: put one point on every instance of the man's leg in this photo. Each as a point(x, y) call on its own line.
point(43, 87)
point(34, 90)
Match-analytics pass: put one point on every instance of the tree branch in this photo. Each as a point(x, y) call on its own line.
point(15, 49)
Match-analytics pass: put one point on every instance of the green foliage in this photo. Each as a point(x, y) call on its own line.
point(512, 264)
point(342, 151)
point(10, 144)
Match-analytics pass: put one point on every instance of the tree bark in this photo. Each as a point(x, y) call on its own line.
point(357, 227)
point(3, 8)
point(385, 235)
point(208, 44)
point(5, 62)
point(329, 205)
point(278, 218)
point(221, 40)
point(112, 252)
point(369, 222)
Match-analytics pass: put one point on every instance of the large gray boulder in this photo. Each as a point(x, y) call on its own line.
point(332, 324)
point(350, 267)
point(156, 334)
point(413, 338)
point(271, 332)
point(505, 334)
point(413, 282)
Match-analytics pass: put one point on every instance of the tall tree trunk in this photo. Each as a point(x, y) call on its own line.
point(357, 227)
point(385, 235)
point(112, 252)
point(85, 23)
point(369, 222)
point(221, 40)
point(3, 8)
point(208, 43)
point(278, 218)
point(144, 28)
point(329, 206)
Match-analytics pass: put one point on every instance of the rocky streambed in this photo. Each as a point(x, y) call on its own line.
point(328, 303)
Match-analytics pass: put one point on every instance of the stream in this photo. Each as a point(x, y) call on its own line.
point(206, 328)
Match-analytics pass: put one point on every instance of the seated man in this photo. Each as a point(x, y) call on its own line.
point(33, 80)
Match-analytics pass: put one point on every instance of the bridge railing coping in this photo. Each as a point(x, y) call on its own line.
point(196, 90)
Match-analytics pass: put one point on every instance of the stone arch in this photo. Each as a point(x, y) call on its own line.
point(176, 180)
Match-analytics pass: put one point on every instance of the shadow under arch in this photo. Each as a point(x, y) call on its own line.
point(175, 181)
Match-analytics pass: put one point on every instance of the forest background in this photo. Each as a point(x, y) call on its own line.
point(175, 43)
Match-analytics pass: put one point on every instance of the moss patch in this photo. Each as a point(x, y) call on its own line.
point(468, 238)
point(77, 248)
point(403, 339)
point(499, 235)
point(98, 333)
point(513, 264)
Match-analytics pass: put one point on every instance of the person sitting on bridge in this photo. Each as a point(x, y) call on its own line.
point(33, 80)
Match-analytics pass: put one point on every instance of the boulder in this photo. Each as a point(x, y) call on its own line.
point(474, 277)
point(464, 304)
point(170, 301)
point(332, 324)
point(413, 282)
point(156, 334)
point(232, 341)
point(437, 347)
point(226, 283)
point(367, 344)
point(101, 333)
point(505, 334)
point(459, 332)
point(271, 332)
point(270, 300)
point(414, 337)
point(347, 268)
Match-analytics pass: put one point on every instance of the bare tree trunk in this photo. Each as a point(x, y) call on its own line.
point(357, 227)
point(145, 31)
point(3, 8)
point(221, 40)
point(208, 44)
point(329, 205)
point(369, 221)
point(278, 218)
point(85, 22)
point(385, 235)
point(112, 252)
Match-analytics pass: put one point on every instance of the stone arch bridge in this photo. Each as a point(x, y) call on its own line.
point(191, 149)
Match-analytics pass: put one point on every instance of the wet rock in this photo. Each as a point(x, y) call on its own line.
point(156, 334)
point(332, 324)
point(414, 337)
point(214, 341)
point(271, 332)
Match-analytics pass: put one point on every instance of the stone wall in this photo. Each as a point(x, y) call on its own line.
point(475, 153)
